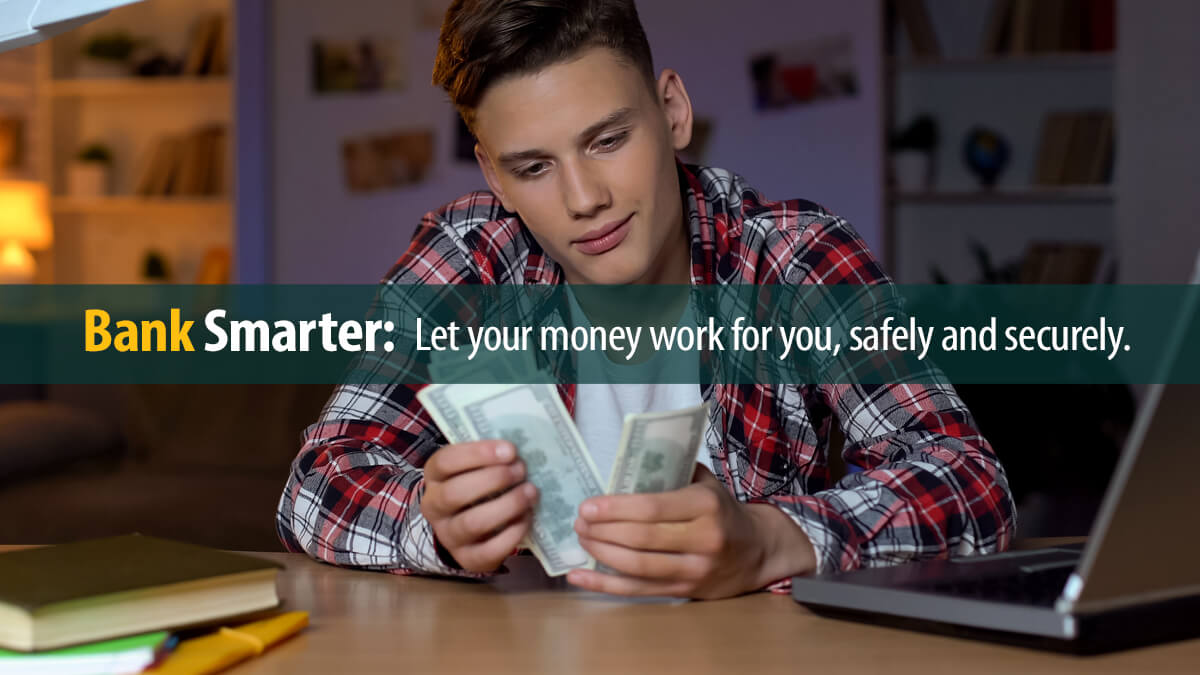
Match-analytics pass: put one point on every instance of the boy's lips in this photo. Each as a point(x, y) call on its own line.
point(604, 239)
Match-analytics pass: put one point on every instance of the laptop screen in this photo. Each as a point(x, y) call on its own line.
point(1143, 544)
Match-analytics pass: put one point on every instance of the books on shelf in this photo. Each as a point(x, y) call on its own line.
point(1060, 263)
point(1048, 26)
point(104, 588)
point(1076, 148)
point(191, 164)
point(208, 46)
point(914, 15)
point(1101, 32)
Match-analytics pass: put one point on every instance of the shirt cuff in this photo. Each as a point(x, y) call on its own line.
point(420, 544)
point(833, 539)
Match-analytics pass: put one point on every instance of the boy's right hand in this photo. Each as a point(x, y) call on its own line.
point(478, 502)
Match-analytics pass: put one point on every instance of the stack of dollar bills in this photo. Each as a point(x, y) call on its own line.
point(657, 451)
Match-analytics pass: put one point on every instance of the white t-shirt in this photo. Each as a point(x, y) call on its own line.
point(600, 409)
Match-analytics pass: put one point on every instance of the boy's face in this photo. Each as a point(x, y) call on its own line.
point(584, 152)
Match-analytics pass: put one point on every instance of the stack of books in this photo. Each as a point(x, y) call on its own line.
point(191, 164)
point(1022, 27)
point(1050, 262)
point(1076, 148)
point(105, 606)
point(1050, 26)
point(207, 50)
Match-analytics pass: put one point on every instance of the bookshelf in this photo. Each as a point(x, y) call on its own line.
point(163, 87)
point(13, 90)
point(993, 62)
point(1035, 194)
point(216, 207)
point(153, 126)
point(975, 64)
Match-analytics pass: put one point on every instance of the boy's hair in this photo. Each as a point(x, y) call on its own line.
point(484, 41)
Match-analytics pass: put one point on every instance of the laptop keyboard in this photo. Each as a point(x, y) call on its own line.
point(1037, 587)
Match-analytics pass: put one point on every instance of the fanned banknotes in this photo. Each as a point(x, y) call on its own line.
point(533, 418)
point(657, 451)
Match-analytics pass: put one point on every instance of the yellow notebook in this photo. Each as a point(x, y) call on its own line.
point(217, 651)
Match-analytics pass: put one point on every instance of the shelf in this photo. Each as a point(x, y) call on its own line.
point(128, 205)
point(16, 90)
point(1066, 194)
point(1044, 61)
point(140, 87)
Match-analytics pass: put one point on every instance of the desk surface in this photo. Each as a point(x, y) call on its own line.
point(367, 622)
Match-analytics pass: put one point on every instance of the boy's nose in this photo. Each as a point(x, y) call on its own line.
point(584, 194)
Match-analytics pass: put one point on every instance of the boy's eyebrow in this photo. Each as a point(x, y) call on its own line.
point(617, 117)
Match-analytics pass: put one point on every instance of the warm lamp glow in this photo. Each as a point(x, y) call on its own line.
point(16, 265)
point(25, 214)
point(24, 224)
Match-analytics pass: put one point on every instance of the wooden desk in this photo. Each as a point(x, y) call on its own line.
point(368, 622)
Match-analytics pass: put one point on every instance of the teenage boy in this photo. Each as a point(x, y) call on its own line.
point(577, 140)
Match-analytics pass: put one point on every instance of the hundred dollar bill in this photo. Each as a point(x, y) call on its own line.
point(485, 368)
point(657, 454)
point(532, 418)
point(658, 451)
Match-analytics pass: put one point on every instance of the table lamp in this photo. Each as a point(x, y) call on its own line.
point(24, 224)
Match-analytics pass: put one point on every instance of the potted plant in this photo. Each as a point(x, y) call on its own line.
point(155, 269)
point(108, 55)
point(912, 155)
point(89, 174)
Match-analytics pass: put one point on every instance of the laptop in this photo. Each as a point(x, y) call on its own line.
point(1135, 582)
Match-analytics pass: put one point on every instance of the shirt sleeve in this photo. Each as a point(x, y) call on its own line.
point(930, 485)
point(353, 495)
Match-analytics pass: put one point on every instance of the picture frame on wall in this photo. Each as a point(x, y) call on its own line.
point(387, 160)
point(363, 65)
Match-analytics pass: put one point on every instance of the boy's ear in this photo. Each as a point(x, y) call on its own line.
point(489, 174)
point(677, 106)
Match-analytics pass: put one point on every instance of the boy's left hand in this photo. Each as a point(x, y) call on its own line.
point(696, 542)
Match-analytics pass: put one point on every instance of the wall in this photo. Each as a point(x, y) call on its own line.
point(829, 152)
point(1158, 104)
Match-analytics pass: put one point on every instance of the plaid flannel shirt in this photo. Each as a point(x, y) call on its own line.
point(930, 484)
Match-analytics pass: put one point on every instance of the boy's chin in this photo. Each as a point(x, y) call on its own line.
point(611, 274)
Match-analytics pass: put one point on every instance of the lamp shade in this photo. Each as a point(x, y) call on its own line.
point(25, 214)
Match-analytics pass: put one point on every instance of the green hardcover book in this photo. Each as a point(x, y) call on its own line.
point(123, 655)
point(103, 588)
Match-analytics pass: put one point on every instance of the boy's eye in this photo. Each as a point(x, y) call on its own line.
point(532, 170)
point(611, 141)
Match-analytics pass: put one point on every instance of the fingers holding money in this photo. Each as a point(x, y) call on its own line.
point(663, 537)
point(680, 505)
point(483, 520)
point(475, 487)
point(697, 542)
point(458, 458)
point(480, 537)
point(490, 552)
point(476, 499)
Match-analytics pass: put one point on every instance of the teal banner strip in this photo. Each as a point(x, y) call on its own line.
point(412, 335)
